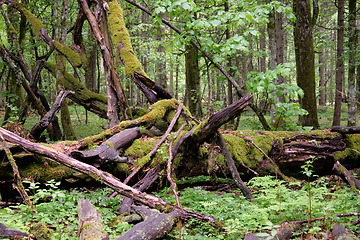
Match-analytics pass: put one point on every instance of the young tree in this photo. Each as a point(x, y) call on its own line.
point(305, 65)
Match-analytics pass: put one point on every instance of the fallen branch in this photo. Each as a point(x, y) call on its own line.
point(232, 167)
point(341, 170)
point(104, 177)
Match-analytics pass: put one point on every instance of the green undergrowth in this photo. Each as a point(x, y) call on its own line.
point(275, 202)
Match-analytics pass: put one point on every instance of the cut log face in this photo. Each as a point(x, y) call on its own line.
point(109, 150)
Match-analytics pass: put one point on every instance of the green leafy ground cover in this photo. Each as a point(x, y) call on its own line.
point(275, 202)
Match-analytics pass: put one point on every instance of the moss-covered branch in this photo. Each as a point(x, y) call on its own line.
point(88, 99)
point(121, 40)
point(39, 30)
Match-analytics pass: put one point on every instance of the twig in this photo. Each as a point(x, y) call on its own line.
point(17, 176)
point(169, 170)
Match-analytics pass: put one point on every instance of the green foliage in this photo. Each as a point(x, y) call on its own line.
point(59, 211)
point(275, 202)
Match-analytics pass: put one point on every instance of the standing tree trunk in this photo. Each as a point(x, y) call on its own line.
point(352, 63)
point(161, 61)
point(339, 63)
point(304, 51)
point(60, 35)
point(192, 80)
point(322, 77)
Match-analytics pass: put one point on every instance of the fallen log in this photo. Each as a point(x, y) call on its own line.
point(6, 232)
point(346, 130)
point(108, 150)
point(341, 233)
point(154, 226)
point(106, 178)
point(342, 171)
point(47, 119)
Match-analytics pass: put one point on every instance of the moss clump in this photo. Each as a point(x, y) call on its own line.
point(121, 40)
point(75, 58)
point(41, 231)
point(109, 144)
point(35, 23)
point(44, 171)
point(139, 148)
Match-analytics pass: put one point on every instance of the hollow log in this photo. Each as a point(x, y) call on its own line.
point(109, 150)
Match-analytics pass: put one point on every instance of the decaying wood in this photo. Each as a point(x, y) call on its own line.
point(341, 233)
point(151, 176)
point(153, 91)
point(109, 150)
point(104, 177)
point(45, 121)
point(232, 167)
point(284, 233)
point(294, 151)
point(6, 232)
point(90, 222)
point(342, 171)
point(158, 144)
point(154, 226)
point(346, 130)
point(208, 128)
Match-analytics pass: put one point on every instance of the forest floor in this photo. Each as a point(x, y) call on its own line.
point(275, 201)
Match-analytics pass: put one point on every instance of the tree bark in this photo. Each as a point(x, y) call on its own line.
point(339, 75)
point(305, 66)
point(352, 63)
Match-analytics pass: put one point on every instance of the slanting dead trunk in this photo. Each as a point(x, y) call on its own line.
point(45, 121)
point(109, 150)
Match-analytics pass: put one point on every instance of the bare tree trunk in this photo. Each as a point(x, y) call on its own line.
point(304, 51)
point(352, 63)
point(339, 63)
point(322, 77)
point(192, 80)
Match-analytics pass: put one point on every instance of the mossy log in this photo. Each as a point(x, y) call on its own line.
point(341, 233)
point(91, 224)
point(6, 232)
point(106, 178)
point(342, 171)
point(154, 226)
point(108, 150)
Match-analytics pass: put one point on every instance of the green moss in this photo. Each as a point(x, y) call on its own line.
point(168, 209)
point(140, 148)
point(143, 160)
point(35, 23)
point(121, 40)
point(75, 58)
point(41, 171)
point(109, 144)
point(41, 231)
